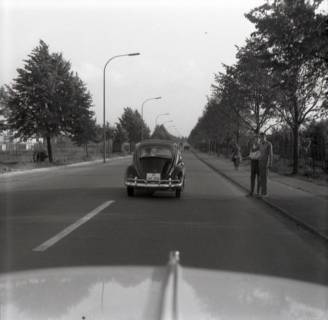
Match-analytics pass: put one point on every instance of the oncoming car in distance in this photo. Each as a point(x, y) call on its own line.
point(157, 165)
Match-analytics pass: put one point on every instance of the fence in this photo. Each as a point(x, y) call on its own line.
point(313, 153)
point(17, 153)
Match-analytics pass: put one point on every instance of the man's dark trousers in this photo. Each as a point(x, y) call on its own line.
point(263, 170)
point(255, 172)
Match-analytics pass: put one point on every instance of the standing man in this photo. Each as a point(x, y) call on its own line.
point(265, 162)
point(254, 156)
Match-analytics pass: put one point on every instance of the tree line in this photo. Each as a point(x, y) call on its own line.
point(279, 79)
point(47, 99)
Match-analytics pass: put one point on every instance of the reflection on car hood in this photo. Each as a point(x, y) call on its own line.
point(137, 293)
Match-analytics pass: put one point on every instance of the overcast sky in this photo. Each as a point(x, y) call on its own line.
point(182, 45)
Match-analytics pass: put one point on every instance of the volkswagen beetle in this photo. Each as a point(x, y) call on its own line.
point(157, 165)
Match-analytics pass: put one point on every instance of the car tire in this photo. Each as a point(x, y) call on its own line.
point(130, 191)
point(178, 193)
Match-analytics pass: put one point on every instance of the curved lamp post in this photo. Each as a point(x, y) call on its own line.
point(142, 106)
point(104, 94)
point(160, 115)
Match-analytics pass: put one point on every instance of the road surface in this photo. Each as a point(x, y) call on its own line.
point(81, 216)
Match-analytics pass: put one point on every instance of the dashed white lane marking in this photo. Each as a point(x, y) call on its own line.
point(47, 244)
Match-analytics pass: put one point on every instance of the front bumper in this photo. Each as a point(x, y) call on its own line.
point(169, 184)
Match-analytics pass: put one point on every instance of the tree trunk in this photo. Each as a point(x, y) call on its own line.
point(237, 135)
point(257, 115)
point(86, 150)
point(49, 149)
point(295, 148)
point(238, 131)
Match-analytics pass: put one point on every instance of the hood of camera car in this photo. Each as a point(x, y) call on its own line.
point(125, 292)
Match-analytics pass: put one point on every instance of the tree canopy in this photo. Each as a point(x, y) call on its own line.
point(280, 75)
point(132, 123)
point(47, 99)
point(290, 33)
point(160, 132)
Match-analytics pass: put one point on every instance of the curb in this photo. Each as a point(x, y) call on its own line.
point(77, 164)
point(282, 211)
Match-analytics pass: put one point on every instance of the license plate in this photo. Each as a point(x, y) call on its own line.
point(153, 176)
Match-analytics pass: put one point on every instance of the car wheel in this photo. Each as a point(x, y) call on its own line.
point(130, 191)
point(178, 193)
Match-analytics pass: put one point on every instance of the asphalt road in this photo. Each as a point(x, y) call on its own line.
point(213, 225)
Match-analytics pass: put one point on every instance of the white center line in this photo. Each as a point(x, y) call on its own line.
point(47, 244)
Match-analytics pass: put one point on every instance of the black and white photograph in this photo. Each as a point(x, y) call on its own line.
point(164, 159)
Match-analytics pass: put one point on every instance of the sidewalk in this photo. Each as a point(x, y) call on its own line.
point(304, 202)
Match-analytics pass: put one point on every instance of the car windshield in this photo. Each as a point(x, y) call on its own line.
point(155, 151)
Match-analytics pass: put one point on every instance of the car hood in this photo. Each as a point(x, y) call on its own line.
point(156, 293)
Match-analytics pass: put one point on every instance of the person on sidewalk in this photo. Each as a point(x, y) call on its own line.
point(254, 156)
point(265, 162)
point(236, 156)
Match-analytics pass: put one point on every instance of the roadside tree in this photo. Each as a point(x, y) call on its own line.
point(230, 100)
point(254, 83)
point(47, 99)
point(85, 133)
point(83, 126)
point(132, 122)
point(160, 132)
point(217, 128)
point(120, 136)
point(289, 31)
point(3, 108)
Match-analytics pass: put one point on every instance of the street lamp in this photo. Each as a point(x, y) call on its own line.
point(142, 106)
point(104, 94)
point(160, 115)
